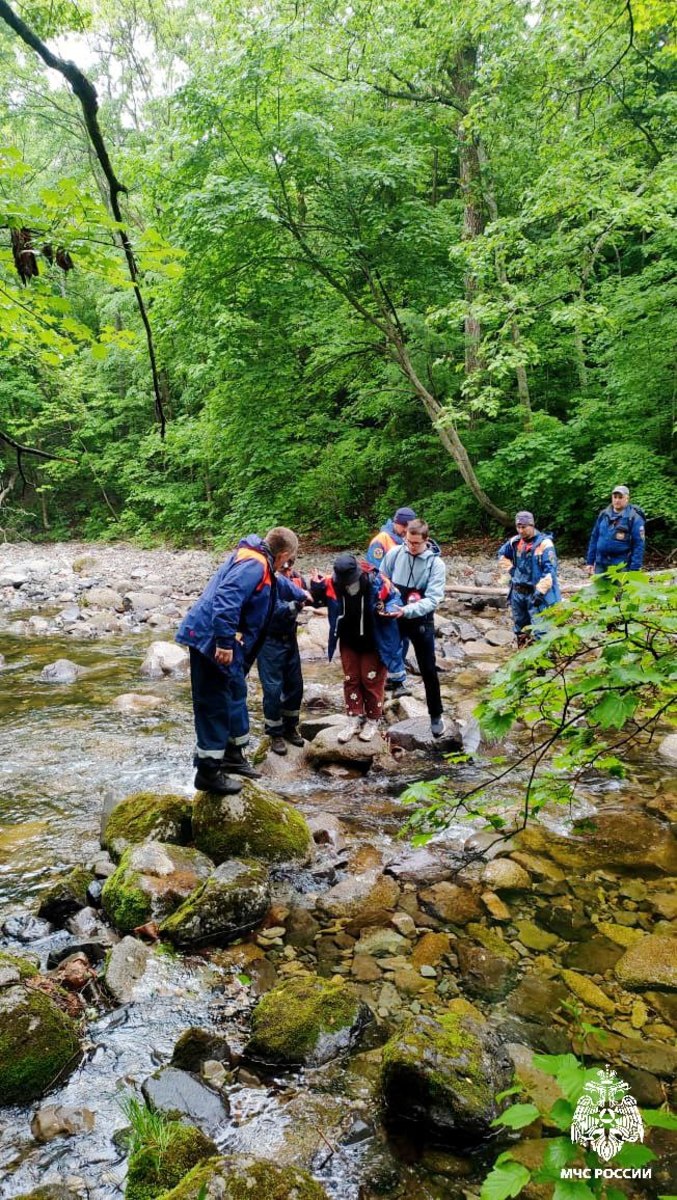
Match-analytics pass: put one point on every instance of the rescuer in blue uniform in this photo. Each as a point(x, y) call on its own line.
point(224, 631)
point(531, 559)
point(279, 663)
point(617, 537)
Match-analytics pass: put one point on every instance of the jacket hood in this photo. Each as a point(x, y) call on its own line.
point(432, 550)
point(253, 542)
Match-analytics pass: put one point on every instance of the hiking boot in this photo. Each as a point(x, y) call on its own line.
point(235, 763)
point(400, 689)
point(437, 727)
point(293, 736)
point(367, 731)
point(214, 779)
point(349, 729)
point(278, 744)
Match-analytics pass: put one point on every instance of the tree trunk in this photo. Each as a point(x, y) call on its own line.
point(470, 181)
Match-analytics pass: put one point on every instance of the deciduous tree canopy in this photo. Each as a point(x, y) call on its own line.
point(391, 252)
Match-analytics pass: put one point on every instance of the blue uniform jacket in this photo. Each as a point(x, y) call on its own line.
point(290, 599)
point(380, 595)
point(236, 605)
point(532, 561)
point(385, 540)
point(617, 538)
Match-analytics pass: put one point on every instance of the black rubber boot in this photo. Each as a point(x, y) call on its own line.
point(235, 763)
point(278, 744)
point(293, 736)
point(211, 777)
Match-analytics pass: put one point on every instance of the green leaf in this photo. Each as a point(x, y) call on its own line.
point(244, 979)
point(505, 1180)
point(634, 1156)
point(518, 1116)
point(562, 1114)
point(659, 1118)
point(572, 1189)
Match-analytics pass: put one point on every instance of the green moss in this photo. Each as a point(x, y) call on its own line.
point(492, 942)
point(38, 1043)
point(151, 1172)
point(288, 1022)
point(123, 902)
point(253, 824)
point(244, 1178)
point(445, 1054)
point(24, 966)
point(145, 815)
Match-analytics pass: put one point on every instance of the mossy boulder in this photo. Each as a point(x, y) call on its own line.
point(651, 964)
point(24, 967)
point(150, 1173)
point(443, 1075)
point(66, 896)
point(253, 824)
point(232, 901)
point(306, 1021)
point(151, 881)
point(38, 1044)
point(196, 1045)
point(144, 817)
point(241, 1177)
point(51, 1191)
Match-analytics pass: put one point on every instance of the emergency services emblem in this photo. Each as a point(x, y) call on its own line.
point(378, 551)
point(605, 1117)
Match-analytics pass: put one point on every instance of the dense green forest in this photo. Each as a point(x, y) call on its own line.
point(393, 251)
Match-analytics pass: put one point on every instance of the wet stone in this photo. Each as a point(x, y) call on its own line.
point(26, 928)
point(126, 966)
point(175, 1092)
point(536, 998)
point(592, 958)
point(451, 902)
point(61, 672)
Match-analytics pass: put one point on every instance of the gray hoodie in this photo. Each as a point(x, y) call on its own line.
point(425, 572)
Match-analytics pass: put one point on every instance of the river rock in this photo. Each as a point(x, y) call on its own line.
point(498, 635)
point(147, 816)
point(164, 658)
point(668, 748)
point(504, 875)
point(451, 902)
point(126, 965)
point(415, 734)
point(536, 998)
point(651, 964)
point(487, 965)
point(382, 943)
point(150, 1174)
point(141, 603)
point(151, 881)
point(102, 597)
point(327, 830)
point(367, 899)
point(326, 749)
point(306, 1021)
point(240, 1175)
point(620, 840)
point(65, 897)
point(62, 671)
point(419, 866)
point(24, 927)
point(131, 703)
point(14, 577)
point(253, 824)
point(59, 1120)
point(196, 1046)
point(176, 1092)
point(233, 900)
point(38, 1044)
point(444, 1074)
point(593, 957)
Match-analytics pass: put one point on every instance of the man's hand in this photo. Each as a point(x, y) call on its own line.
point(590, 568)
point(223, 657)
point(544, 585)
point(505, 563)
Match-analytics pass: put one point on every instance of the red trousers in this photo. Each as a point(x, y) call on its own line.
point(364, 681)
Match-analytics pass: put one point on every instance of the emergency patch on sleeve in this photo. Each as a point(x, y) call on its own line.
point(378, 551)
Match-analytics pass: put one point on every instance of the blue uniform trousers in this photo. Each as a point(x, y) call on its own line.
point(219, 705)
point(279, 664)
point(420, 631)
point(525, 608)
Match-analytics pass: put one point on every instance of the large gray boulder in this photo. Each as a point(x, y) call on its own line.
point(62, 671)
point(232, 901)
point(444, 1075)
point(459, 736)
point(164, 658)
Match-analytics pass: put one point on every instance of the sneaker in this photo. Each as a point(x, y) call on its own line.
point(437, 727)
point(293, 735)
point(209, 779)
point(349, 729)
point(367, 731)
point(400, 689)
point(278, 744)
point(235, 763)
